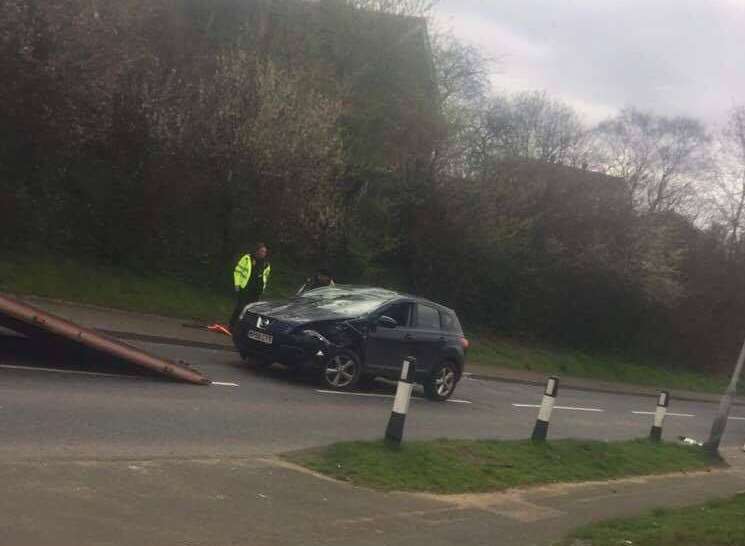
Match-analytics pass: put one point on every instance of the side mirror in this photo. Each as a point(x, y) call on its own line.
point(387, 322)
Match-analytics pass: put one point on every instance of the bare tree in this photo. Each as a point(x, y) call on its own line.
point(414, 8)
point(462, 72)
point(728, 190)
point(462, 69)
point(660, 158)
point(529, 125)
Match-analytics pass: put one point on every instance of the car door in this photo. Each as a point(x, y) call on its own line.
point(386, 348)
point(429, 339)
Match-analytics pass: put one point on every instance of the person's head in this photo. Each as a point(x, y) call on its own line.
point(324, 276)
point(261, 251)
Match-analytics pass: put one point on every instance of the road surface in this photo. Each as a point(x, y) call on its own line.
point(95, 457)
point(74, 413)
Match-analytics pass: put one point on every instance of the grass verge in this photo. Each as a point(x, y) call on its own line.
point(504, 353)
point(465, 466)
point(71, 280)
point(718, 523)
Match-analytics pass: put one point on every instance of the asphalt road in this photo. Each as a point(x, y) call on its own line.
point(77, 413)
point(93, 453)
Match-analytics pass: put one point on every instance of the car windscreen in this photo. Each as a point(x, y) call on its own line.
point(345, 302)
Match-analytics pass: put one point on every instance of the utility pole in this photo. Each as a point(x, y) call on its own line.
point(720, 423)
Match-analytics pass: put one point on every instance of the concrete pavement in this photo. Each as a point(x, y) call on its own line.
point(230, 501)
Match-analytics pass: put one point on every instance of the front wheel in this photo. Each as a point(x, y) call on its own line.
point(440, 385)
point(342, 371)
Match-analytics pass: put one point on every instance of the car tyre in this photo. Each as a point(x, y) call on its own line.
point(441, 383)
point(342, 371)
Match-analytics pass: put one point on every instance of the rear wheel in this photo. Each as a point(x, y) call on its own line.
point(441, 383)
point(342, 371)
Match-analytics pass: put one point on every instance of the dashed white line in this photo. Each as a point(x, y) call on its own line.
point(738, 418)
point(375, 395)
point(671, 414)
point(58, 370)
point(225, 384)
point(570, 408)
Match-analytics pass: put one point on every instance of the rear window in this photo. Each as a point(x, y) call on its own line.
point(450, 322)
point(428, 317)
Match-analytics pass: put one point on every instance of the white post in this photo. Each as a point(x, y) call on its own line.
point(540, 431)
point(394, 432)
point(659, 417)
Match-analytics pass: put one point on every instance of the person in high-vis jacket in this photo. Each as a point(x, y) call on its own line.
point(250, 278)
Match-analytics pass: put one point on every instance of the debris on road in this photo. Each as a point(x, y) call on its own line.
point(33, 322)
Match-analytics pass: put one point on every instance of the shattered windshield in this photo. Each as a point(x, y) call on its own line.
point(348, 302)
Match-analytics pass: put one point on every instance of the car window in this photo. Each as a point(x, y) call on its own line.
point(428, 317)
point(450, 322)
point(400, 312)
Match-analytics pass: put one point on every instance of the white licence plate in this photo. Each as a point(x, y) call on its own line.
point(258, 336)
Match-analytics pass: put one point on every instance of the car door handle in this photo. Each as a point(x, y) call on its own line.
point(408, 337)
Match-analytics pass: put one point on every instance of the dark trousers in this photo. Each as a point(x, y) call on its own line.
point(244, 297)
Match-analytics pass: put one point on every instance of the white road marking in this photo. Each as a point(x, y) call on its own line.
point(57, 370)
point(570, 408)
point(224, 384)
point(375, 395)
point(668, 413)
point(738, 418)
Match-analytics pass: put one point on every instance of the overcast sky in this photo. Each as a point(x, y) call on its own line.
point(669, 56)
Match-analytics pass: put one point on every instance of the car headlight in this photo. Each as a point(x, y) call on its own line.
point(317, 335)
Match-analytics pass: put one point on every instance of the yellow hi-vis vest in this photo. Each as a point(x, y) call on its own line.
point(242, 272)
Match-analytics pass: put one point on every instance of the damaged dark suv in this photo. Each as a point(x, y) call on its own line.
point(352, 334)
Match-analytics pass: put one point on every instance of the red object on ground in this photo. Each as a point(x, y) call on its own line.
point(220, 329)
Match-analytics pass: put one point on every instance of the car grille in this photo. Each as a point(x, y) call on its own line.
point(274, 327)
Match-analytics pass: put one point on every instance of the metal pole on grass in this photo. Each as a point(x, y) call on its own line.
point(720, 422)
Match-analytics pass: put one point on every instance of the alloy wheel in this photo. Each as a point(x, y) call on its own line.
point(341, 371)
point(445, 381)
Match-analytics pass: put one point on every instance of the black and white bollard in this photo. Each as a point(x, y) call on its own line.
point(659, 416)
point(540, 431)
point(394, 432)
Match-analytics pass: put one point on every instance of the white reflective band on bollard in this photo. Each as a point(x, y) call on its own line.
point(659, 416)
point(663, 400)
point(547, 406)
point(403, 398)
point(540, 430)
point(404, 370)
point(394, 432)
